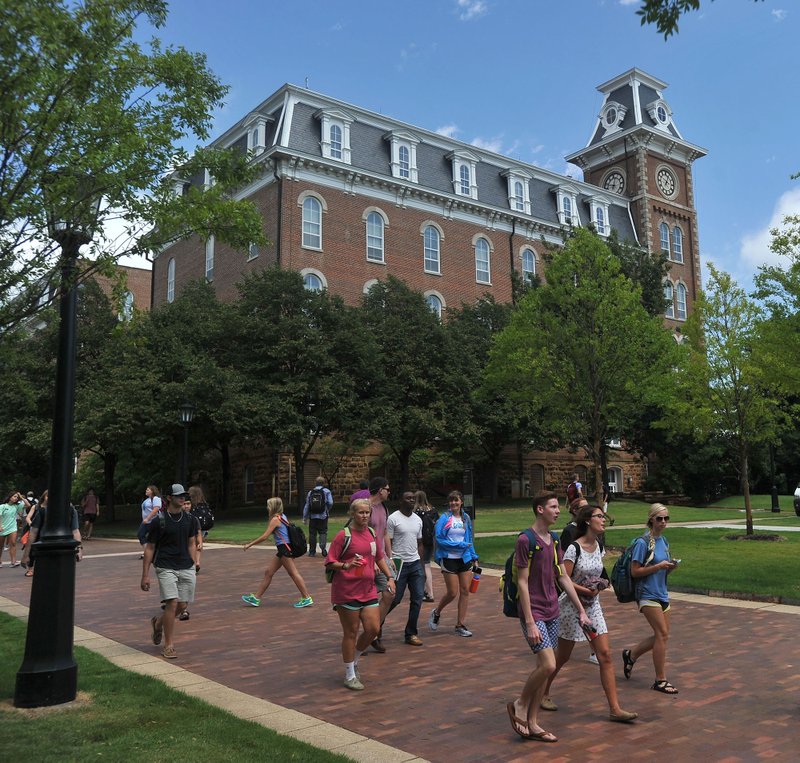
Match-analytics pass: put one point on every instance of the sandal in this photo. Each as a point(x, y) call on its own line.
point(519, 726)
point(29, 574)
point(627, 663)
point(665, 687)
point(542, 736)
point(169, 652)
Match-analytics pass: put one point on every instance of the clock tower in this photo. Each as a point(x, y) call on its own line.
point(637, 151)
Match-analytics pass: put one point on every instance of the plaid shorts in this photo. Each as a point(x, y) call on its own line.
point(548, 631)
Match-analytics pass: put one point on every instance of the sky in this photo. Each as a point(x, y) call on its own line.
point(519, 77)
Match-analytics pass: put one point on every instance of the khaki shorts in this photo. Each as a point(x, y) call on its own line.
point(176, 584)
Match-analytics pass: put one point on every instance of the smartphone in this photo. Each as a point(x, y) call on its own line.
point(675, 561)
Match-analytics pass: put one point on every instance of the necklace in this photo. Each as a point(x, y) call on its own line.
point(176, 521)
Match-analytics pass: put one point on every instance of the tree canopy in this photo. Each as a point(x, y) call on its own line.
point(665, 14)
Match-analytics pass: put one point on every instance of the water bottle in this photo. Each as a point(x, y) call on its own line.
point(476, 578)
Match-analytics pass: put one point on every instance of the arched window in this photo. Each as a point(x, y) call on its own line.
point(336, 142)
point(669, 312)
point(374, 237)
point(528, 265)
point(435, 304)
point(677, 244)
point(312, 282)
point(404, 162)
point(432, 258)
point(210, 259)
point(482, 271)
point(519, 197)
point(312, 223)
point(171, 280)
point(600, 220)
point(463, 174)
point(566, 208)
point(664, 230)
point(127, 307)
point(680, 290)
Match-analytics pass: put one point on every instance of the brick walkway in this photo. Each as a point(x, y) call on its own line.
point(737, 665)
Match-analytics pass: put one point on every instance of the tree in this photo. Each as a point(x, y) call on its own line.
point(581, 352)
point(410, 379)
point(666, 13)
point(722, 382)
point(646, 269)
point(87, 112)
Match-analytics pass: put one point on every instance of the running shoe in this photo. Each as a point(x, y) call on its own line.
point(433, 620)
point(353, 683)
point(307, 602)
point(593, 659)
point(462, 630)
point(250, 598)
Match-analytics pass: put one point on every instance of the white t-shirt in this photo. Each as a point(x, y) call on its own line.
point(404, 532)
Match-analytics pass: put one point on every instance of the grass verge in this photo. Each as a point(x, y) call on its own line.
point(132, 718)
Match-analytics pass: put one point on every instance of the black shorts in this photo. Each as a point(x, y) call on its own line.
point(454, 566)
point(284, 550)
point(89, 518)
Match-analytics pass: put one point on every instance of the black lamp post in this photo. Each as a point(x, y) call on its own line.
point(187, 415)
point(48, 674)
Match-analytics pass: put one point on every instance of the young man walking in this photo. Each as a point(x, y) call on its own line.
point(404, 541)
point(316, 510)
point(170, 546)
point(539, 612)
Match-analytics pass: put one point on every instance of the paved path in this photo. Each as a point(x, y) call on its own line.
point(737, 665)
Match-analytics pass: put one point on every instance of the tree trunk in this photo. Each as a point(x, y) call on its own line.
point(598, 472)
point(299, 474)
point(743, 465)
point(225, 498)
point(109, 467)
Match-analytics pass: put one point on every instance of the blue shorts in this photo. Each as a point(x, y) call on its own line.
point(549, 632)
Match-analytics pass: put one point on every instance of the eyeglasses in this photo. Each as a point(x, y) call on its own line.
point(598, 516)
point(661, 519)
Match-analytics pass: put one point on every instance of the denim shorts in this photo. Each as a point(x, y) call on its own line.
point(547, 629)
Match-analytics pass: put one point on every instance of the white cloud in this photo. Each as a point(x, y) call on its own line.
point(492, 144)
point(471, 9)
point(628, 2)
point(449, 131)
point(779, 14)
point(754, 248)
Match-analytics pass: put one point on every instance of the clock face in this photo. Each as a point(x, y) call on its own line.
point(614, 182)
point(665, 181)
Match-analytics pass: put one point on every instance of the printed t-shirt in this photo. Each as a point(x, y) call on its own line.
point(354, 584)
point(404, 532)
point(377, 521)
point(542, 579)
point(652, 587)
point(172, 540)
point(457, 534)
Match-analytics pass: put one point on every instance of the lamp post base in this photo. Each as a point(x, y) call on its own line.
point(49, 674)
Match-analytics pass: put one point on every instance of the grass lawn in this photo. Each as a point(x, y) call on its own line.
point(131, 718)
point(709, 562)
point(757, 502)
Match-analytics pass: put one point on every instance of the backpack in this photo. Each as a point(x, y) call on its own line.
point(621, 580)
point(508, 581)
point(428, 525)
point(204, 515)
point(572, 492)
point(297, 539)
point(316, 501)
point(329, 571)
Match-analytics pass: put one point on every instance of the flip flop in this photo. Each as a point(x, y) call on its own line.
point(542, 736)
point(665, 687)
point(627, 663)
point(517, 723)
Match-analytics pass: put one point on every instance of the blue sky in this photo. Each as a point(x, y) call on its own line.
point(519, 77)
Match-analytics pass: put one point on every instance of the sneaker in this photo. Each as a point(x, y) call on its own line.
point(354, 684)
point(462, 630)
point(250, 598)
point(413, 640)
point(593, 659)
point(307, 602)
point(15, 564)
point(311, 556)
point(323, 551)
point(433, 620)
point(183, 615)
point(428, 598)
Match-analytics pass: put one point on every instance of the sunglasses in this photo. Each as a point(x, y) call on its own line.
point(661, 519)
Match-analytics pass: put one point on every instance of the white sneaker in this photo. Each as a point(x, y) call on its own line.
point(462, 630)
point(433, 620)
point(593, 659)
point(354, 684)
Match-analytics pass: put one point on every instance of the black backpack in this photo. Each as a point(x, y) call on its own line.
point(297, 540)
point(508, 582)
point(204, 515)
point(428, 518)
point(316, 503)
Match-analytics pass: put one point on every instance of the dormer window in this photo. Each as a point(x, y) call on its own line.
point(660, 113)
point(519, 198)
point(464, 173)
point(257, 134)
point(404, 154)
point(567, 201)
point(611, 117)
point(599, 209)
point(335, 133)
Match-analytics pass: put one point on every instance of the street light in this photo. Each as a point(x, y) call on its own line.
point(187, 415)
point(48, 674)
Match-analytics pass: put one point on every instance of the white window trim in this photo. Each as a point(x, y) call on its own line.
point(365, 217)
point(369, 284)
point(681, 286)
point(438, 295)
point(432, 224)
point(171, 280)
point(513, 177)
point(300, 201)
point(252, 252)
point(314, 272)
point(571, 193)
point(652, 109)
point(475, 239)
point(675, 254)
point(256, 127)
point(341, 119)
point(210, 259)
point(670, 310)
point(522, 261)
point(602, 203)
point(410, 141)
point(615, 125)
point(469, 160)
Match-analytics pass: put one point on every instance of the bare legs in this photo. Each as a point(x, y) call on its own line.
point(657, 643)
point(274, 564)
point(12, 546)
point(527, 706)
point(456, 585)
point(352, 644)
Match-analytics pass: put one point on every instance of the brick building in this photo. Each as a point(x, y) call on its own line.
point(349, 196)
